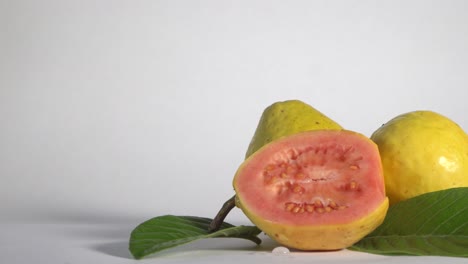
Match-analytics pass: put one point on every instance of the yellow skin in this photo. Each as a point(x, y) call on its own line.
point(421, 151)
point(287, 118)
point(323, 237)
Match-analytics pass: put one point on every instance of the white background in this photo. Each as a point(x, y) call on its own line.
point(113, 112)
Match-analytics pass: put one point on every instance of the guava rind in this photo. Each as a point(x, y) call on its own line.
point(321, 237)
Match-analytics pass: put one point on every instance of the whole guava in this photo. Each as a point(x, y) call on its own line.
point(422, 151)
point(286, 118)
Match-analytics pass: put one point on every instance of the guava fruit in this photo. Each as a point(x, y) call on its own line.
point(422, 151)
point(314, 190)
point(278, 120)
point(286, 118)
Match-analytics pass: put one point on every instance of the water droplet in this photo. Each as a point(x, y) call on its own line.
point(280, 250)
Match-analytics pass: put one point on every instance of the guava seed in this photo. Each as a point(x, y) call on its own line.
point(316, 206)
point(280, 250)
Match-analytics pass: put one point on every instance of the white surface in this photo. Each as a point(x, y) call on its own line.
point(81, 242)
point(113, 112)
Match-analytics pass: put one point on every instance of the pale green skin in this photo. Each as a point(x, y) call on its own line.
point(286, 118)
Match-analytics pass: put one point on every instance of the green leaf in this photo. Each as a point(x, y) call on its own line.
point(434, 223)
point(169, 231)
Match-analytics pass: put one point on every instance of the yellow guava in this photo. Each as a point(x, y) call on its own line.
point(308, 183)
point(421, 151)
point(314, 190)
point(287, 118)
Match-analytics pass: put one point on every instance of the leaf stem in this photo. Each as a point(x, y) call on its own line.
point(223, 212)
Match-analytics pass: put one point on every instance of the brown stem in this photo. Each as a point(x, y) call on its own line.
point(223, 212)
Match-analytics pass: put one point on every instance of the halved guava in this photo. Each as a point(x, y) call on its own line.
point(314, 190)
